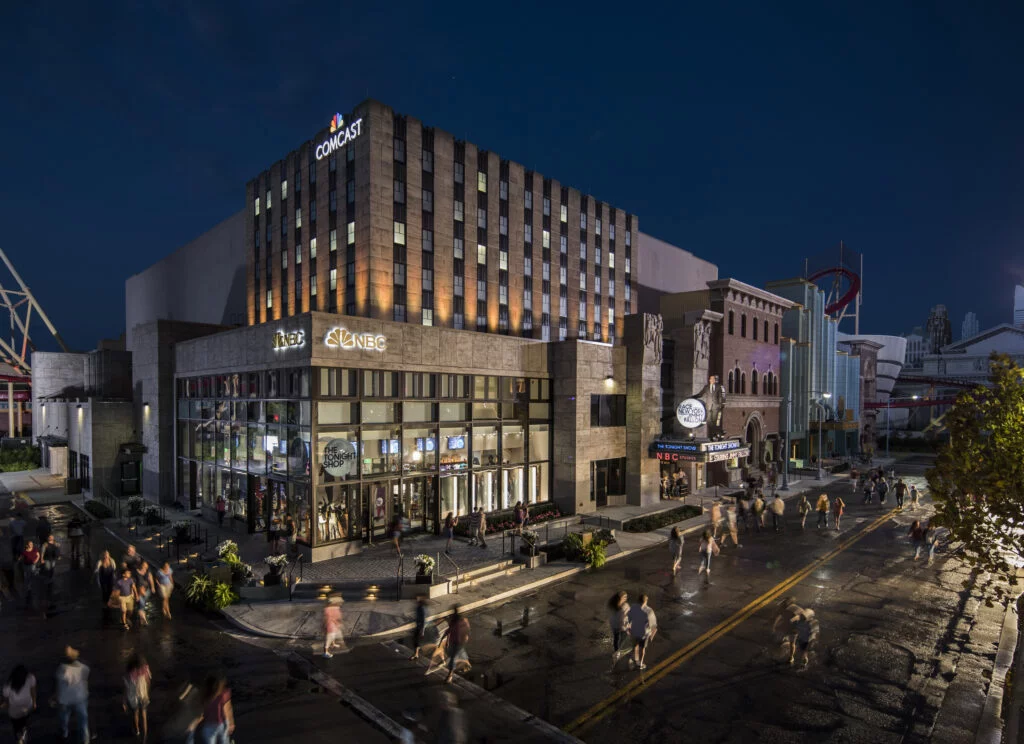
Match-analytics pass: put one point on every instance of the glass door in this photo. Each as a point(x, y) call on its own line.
point(414, 503)
point(375, 507)
point(454, 495)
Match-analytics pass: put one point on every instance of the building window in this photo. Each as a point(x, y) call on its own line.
point(502, 225)
point(503, 190)
point(428, 317)
point(284, 190)
point(754, 328)
point(312, 212)
point(545, 239)
point(583, 281)
point(481, 182)
point(312, 247)
point(597, 226)
point(731, 319)
point(298, 217)
point(270, 299)
point(528, 199)
point(312, 285)
point(743, 325)
point(399, 191)
point(351, 233)
point(528, 233)
point(334, 279)
point(350, 191)
point(597, 255)
point(399, 147)
point(428, 241)
point(459, 287)
point(776, 334)
point(428, 200)
point(743, 383)
point(481, 218)
point(597, 285)
point(753, 382)
point(607, 410)
point(334, 240)
point(458, 248)
point(399, 233)
point(460, 173)
point(284, 259)
point(332, 203)
point(298, 255)
point(564, 213)
point(284, 224)
point(729, 388)
point(256, 206)
point(460, 211)
point(503, 260)
point(563, 244)
point(629, 238)
point(268, 198)
point(481, 253)
point(546, 209)
point(428, 161)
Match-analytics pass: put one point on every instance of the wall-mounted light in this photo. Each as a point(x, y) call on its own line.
point(79, 406)
point(609, 381)
point(145, 405)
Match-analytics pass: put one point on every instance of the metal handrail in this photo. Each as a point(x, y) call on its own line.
point(300, 560)
point(400, 574)
point(458, 571)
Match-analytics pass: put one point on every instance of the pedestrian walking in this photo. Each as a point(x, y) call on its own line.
point(137, 681)
point(449, 531)
point(822, 507)
point(131, 559)
point(421, 626)
point(395, 531)
point(758, 509)
point(333, 626)
point(708, 548)
point(916, 534)
point(716, 518)
point(145, 587)
point(75, 535)
point(43, 529)
point(675, 549)
point(72, 696)
point(274, 535)
point(785, 623)
point(778, 507)
point(105, 573)
point(741, 511)
point(17, 528)
point(838, 505)
point(869, 489)
point(50, 555)
point(643, 626)
point(218, 715)
point(915, 497)
point(803, 508)
point(451, 727)
point(519, 517)
point(458, 638)
point(222, 509)
point(30, 561)
point(19, 699)
point(165, 587)
point(883, 490)
point(901, 493)
point(618, 620)
point(854, 480)
point(931, 540)
point(125, 591)
point(730, 521)
point(806, 627)
point(481, 526)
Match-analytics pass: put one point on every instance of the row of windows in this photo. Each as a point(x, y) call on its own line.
point(765, 383)
point(731, 327)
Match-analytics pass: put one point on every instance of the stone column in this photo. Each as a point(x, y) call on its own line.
point(643, 406)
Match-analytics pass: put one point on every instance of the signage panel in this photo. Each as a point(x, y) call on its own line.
point(342, 338)
point(289, 340)
point(339, 458)
point(692, 413)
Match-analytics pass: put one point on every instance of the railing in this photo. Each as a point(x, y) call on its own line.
point(458, 571)
point(300, 560)
point(400, 574)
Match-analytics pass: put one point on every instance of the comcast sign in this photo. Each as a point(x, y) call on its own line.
point(341, 135)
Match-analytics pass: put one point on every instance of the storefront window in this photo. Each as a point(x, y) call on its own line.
point(277, 412)
point(300, 510)
point(540, 411)
point(419, 450)
point(336, 412)
point(209, 437)
point(336, 455)
point(485, 491)
point(278, 494)
point(223, 443)
point(184, 440)
point(454, 447)
point(256, 448)
point(485, 387)
point(257, 412)
point(259, 504)
point(239, 492)
point(511, 487)
point(512, 445)
point(298, 452)
point(538, 485)
point(540, 390)
point(272, 385)
point(454, 412)
point(485, 446)
point(454, 495)
point(380, 451)
point(337, 514)
point(417, 412)
point(238, 446)
point(540, 442)
point(277, 449)
point(485, 411)
point(378, 413)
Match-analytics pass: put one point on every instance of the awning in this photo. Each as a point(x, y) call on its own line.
point(132, 448)
point(52, 440)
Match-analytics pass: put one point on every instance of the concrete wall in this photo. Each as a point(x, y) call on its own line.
point(153, 383)
point(662, 268)
point(55, 374)
point(201, 282)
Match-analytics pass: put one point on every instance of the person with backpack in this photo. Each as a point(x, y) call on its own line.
point(778, 507)
point(901, 493)
point(883, 490)
point(822, 508)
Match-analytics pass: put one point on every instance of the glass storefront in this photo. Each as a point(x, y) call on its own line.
point(388, 447)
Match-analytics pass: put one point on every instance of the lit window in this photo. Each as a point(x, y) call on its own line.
point(503, 190)
point(597, 227)
point(399, 233)
point(547, 206)
point(597, 257)
point(459, 248)
point(528, 233)
point(583, 250)
point(629, 237)
point(564, 213)
point(597, 285)
point(334, 279)
point(502, 294)
point(502, 225)
point(528, 265)
point(562, 275)
point(312, 247)
point(460, 173)
point(611, 289)
point(481, 218)
point(334, 240)
point(481, 182)
point(257, 206)
point(545, 271)
point(583, 281)
point(611, 316)
point(611, 232)
point(270, 298)
point(268, 198)
point(428, 317)
point(627, 262)
point(583, 220)
point(298, 254)
point(460, 213)
point(284, 190)
point(563, 244)
point(481, 253)
point(503, 260)
point(351, 233)
point(528, 198)
point(312, 286)
point(545, 239)
point(298, 217)
point(611, 260)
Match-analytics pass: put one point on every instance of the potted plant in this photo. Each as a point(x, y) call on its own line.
point(135, 504)
point(227, 551)
point(529, 549)
point(276, 564)
point(181, 530)
point(424, 568)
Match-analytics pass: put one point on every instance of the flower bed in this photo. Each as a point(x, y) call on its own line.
point(662, 519)
point(500, 521)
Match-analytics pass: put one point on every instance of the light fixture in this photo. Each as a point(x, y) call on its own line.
point(79, 406)
point(914, 397)
point(146, 404)
point(609, 381)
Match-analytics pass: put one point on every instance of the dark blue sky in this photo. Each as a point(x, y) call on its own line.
point(751, 137)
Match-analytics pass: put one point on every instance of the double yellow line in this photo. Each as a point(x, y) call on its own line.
point(667, 665)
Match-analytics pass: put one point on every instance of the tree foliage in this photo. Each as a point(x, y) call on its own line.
point(978, 479)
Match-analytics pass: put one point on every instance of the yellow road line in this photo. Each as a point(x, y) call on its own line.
point(669, 664)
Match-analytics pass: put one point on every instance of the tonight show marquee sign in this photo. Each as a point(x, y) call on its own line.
point(691, 413)
point(341, 338)
point(341, 135)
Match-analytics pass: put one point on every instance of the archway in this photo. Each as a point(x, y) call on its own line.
point(754, 442)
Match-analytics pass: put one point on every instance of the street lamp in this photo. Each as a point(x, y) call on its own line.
point(785, 455)
point(888, 401)
point(821, 420)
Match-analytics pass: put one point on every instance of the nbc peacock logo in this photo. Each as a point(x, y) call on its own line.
point(337, 122)
point(342, 338)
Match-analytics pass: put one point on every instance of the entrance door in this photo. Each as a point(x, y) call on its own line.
point(376, 504)
point(415, 503)
point(599, 479)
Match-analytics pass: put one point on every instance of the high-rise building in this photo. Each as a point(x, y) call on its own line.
point(1018, 306)
point(383, 217)
point(915, 347)
point(939, 330)
point(969, 328)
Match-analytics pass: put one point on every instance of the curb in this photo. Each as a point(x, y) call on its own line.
point(990, 729)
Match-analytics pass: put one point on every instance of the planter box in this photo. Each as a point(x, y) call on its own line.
point(413, 589)
point(534, 561)
point(588, 537)
point(262, 593)
point(423, 579)
point(220, 574)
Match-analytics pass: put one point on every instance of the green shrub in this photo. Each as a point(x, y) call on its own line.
point(98, 509)
point(604, 536)
point(657, 521)
point(220, 596)
point(198, 589)
point(594, 554)
point(22, 458)
point(572, 545)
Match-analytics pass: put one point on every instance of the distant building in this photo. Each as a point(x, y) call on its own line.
point(939, 331)
point(663, 269)
point(969, 328)
point(915, 347)
point(1018, 306)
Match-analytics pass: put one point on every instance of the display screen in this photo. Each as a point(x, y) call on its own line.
point(457, 443)
point(425, 444)
point(390, 447)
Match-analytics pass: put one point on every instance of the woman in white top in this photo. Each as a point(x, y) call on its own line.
point(708, 547)
point(675, 548)
point(19, 698)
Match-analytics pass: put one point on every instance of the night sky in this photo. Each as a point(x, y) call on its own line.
point(750, 137)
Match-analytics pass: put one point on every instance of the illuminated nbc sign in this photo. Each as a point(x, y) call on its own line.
point(341, 338)
point(341, 135)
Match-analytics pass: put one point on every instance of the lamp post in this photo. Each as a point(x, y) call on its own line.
point(821, 420)
point(785, 455)
point(888, 401)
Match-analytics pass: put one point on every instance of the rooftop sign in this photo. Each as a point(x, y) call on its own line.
point(341, 135)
